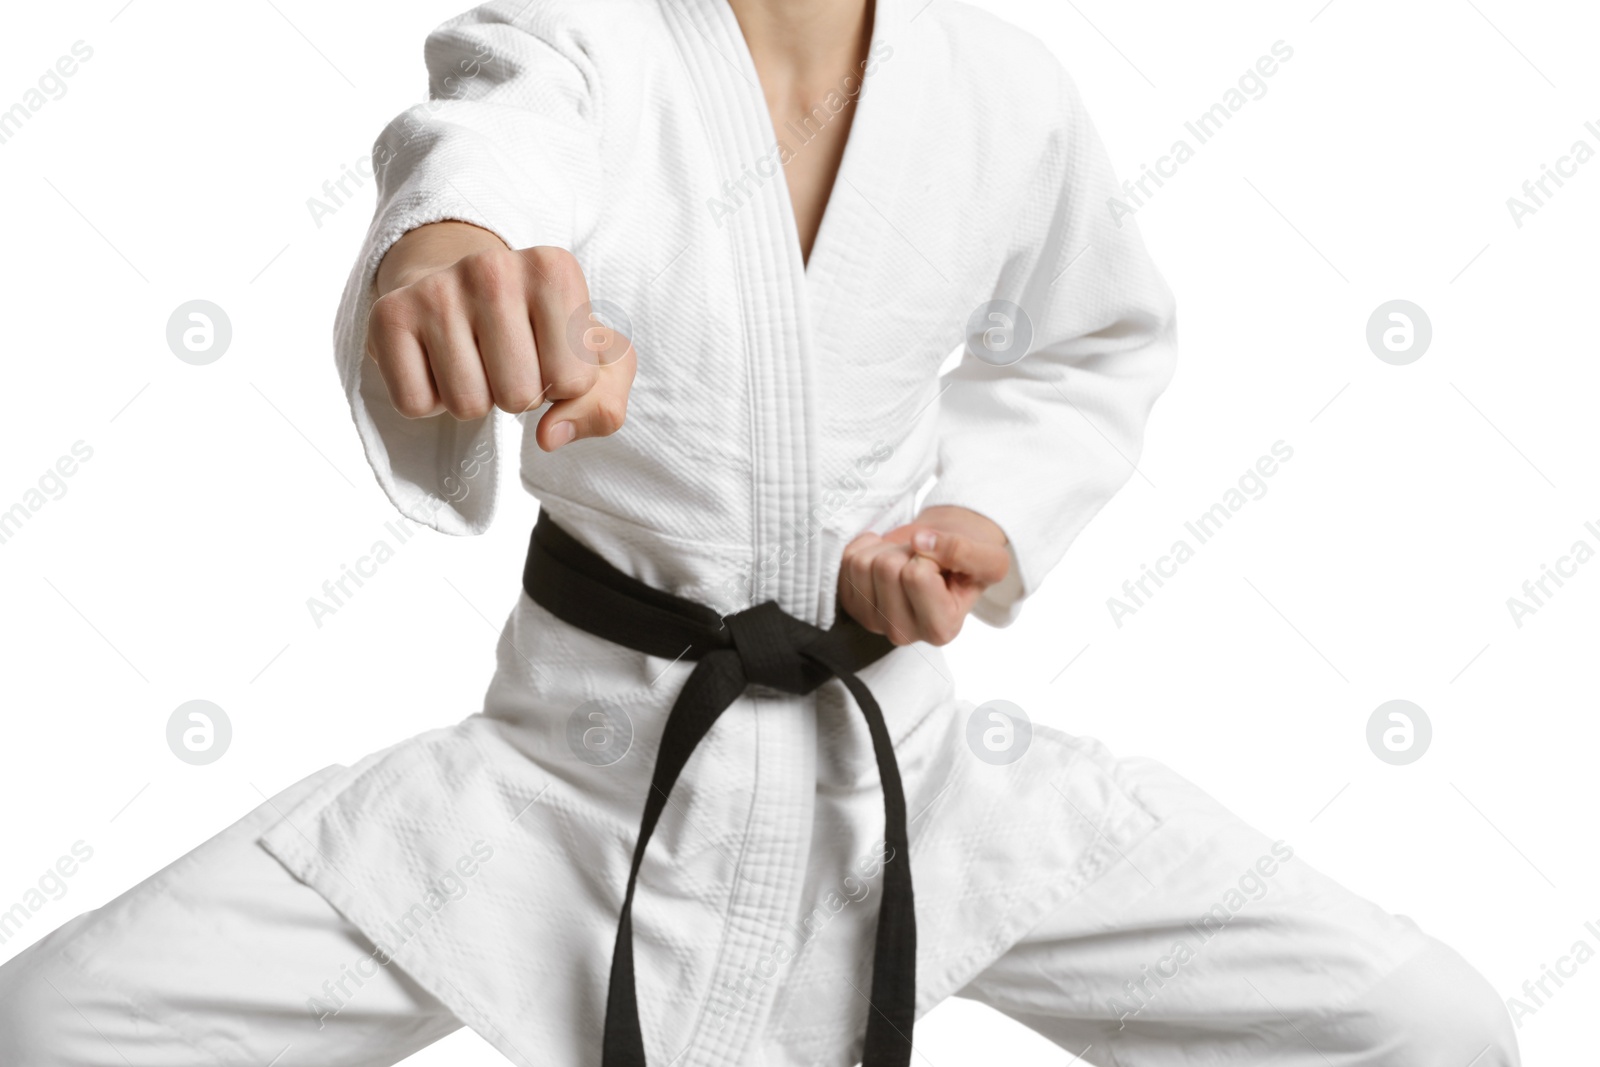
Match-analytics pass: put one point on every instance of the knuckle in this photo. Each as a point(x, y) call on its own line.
point(425, 288)
point(438, 295)
point(554, 265)
point(886, 566)
point(609, 414)
point(492, 272)
point(573, 381)
point(516, 401)
point(391, 313)
point(413, 405)
point(468, 406)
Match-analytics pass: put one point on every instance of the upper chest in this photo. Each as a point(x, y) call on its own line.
point(866, 227)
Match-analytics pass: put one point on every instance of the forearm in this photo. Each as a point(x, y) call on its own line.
point(430, 248)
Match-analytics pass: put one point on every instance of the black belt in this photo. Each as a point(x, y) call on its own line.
point(761, 645)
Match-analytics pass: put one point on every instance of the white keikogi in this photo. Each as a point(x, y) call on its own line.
point(779, 409)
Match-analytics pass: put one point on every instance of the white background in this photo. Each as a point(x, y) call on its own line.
point(1377, 566)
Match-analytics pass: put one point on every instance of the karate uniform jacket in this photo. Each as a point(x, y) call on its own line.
point(780, 408)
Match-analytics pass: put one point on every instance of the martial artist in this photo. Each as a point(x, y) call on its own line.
point(715, 254)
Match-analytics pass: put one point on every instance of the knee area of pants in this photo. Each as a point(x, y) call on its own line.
point(1434, 1009)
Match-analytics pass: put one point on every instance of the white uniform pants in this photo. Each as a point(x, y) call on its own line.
point(217, 960)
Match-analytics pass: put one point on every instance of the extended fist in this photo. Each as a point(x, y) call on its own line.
point(464, 333)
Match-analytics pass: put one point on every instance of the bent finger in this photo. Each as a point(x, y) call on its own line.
point(984, 563)
point(855, 568)
point(457, 366)
point(938, 616)
point(504, 333)
point(560, 311)
point(889, 595)
point(598, 412)
point(402, 362)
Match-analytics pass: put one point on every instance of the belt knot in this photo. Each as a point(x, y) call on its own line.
point(766, 646)
point(770, 642)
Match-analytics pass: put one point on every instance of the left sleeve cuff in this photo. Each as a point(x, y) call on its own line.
point(1002, 602)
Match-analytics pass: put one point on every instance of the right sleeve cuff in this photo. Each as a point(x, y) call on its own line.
point(438, 471)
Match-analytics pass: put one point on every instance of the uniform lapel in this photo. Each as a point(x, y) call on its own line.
point(848, 304)
point(751, 214)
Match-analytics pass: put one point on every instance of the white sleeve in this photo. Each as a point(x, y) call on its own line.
point(1040, 444)
point(502, 142)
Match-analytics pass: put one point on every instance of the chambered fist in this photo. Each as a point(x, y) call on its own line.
point(497, 328)
point(919, 581)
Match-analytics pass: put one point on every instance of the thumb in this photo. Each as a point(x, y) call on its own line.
point(984, 563)
point(601, 410)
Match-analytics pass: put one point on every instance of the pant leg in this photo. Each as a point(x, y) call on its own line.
point(1209, 944)
point(222, 958)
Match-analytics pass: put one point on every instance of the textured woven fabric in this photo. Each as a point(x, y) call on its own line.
point(760, 646)
point(779, 409)
point(1201, 944)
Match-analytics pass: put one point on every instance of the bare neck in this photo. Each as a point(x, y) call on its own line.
point(800, 45)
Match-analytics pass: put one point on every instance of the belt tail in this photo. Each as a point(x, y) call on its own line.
point(893, 1003)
